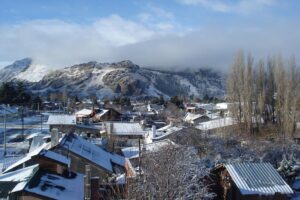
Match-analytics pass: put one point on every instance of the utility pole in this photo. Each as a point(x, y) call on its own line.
point(41, 122)
point(22, 119)
point(4, 134)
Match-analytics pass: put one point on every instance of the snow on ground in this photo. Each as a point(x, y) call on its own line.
point(27, 120)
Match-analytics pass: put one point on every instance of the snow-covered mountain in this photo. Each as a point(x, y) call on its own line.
point(11, 71)
point(25, 70)
point(111, 79)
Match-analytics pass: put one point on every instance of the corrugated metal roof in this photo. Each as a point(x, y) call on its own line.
point(258, 178)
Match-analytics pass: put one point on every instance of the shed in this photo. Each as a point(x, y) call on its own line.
point(247, 181)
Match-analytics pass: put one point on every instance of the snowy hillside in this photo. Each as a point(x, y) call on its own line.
point(33, 73)
point(111, 79)
point(11, 71)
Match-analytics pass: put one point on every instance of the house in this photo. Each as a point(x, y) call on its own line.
point(64, 123)
point(108, 114)
point(249, 181)
point(82, 152)
point(155, 108)
point(124, 134)
point(83, 115)
point(194, 109)
point(133, 153)
point(163, 132)
point(194, 119)
point(45, 176)
point(34, 182)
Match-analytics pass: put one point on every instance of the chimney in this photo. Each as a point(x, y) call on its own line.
point(153, 132)
point(87, 183)
point(54, 137)
point(95, 195)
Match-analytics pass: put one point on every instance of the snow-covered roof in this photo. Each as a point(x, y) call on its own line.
point(156, 107)
point(126, 128)
point(216, 123)
point(55, 156)
point(53, 186)
point(191, 116)
point(133, 152)
point(103, 112)
point(61, 119)
point(83, 148)
point(84, 112)
point(37, 141)
point(258, 178)
point(27, 157)
point(222, 106)
point(19, 177)
point(166, 131)
point(209, 106)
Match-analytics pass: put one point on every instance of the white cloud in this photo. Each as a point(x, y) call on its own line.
point(58, 43)
point(240, 6)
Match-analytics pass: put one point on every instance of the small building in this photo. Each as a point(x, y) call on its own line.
point(124, 134)
point(34, 182)
point(133, 153)
point(64, 123)
point(155, 108)
point(82, 152)
point(108, 114)
point(194, 119)
point(249, 181)
point(83, 115)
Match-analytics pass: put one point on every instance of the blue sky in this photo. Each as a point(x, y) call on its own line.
point(161, 33)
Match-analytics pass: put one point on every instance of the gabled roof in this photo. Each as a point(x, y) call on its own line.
point(54, 186)
point(61, 120)
point(257, 178)
point(85, 149)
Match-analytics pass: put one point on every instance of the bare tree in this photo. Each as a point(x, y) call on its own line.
point(171, 173)
point(235, 85)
